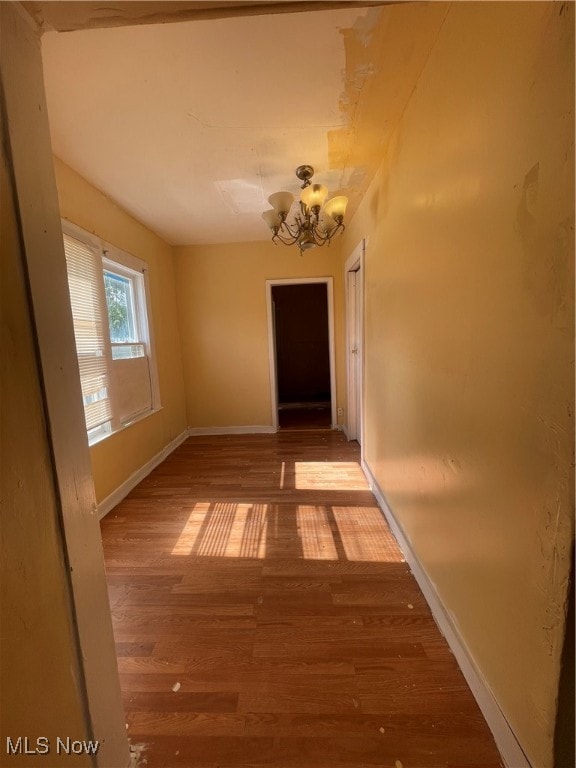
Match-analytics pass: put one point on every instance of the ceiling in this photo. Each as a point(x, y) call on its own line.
point(190, 126)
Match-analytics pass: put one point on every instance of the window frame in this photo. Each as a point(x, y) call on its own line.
point(139, 308)
point(118, 261)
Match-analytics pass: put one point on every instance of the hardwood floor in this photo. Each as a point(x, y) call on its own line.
point(264, 616)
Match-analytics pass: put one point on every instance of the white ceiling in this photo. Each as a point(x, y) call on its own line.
point(190, 126)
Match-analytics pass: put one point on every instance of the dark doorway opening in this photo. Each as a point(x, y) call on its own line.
point(302, 355)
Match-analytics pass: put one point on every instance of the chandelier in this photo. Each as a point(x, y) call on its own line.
point(313, 223)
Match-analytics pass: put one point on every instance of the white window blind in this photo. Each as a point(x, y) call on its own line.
point(110, 309)
point(84, 266)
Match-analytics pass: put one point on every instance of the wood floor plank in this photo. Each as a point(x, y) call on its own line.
point(356, 647)
point(208, 751)
point(265, 616)
point(408, 726)
point(147, 673)
point(178, 724)
point(134, 650)
point(149, 665)
point(178, 701)
point(166, 619)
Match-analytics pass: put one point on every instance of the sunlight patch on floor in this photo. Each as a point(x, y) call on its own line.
point(189, 533)
point(231, 529)
point(224, 529)
point(315, 535)
point(365, 535)
point(326, 475)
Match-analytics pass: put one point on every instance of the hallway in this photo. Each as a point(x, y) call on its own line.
point(264, 616)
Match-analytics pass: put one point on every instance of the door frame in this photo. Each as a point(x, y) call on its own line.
point(355, 340)
point(81, 578)
point(329, 282)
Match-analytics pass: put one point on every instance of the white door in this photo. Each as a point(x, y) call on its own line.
point(354, 352)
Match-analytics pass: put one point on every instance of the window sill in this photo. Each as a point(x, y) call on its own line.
point(135, 420)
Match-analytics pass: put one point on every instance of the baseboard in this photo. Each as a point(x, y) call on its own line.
point(506, 741)
point(136, 477)
point(245, 430)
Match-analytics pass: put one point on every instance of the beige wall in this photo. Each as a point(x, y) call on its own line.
point(117, 457)
point(469, 340)
point(223, 323)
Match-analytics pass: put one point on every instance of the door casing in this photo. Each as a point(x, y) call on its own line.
point(354, 281)
point(328, 281)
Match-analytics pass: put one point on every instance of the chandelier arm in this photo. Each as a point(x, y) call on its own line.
point(293, 238)
point(295, 231)
point(292, 229)
point(340, 227)
point(319, 238)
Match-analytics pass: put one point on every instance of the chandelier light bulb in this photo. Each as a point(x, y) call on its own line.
point(336, 207)
point(313, 196)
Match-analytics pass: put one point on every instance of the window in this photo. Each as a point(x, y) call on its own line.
point(108, 296)
point(124, 320)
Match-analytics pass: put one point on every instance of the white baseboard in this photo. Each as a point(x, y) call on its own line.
point(246, 430)
point(136, 477)
point(506, 741)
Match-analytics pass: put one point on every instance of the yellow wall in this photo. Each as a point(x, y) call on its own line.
point(223, 324)
point(469, 335)
point(469, 339)
point(117, 457)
